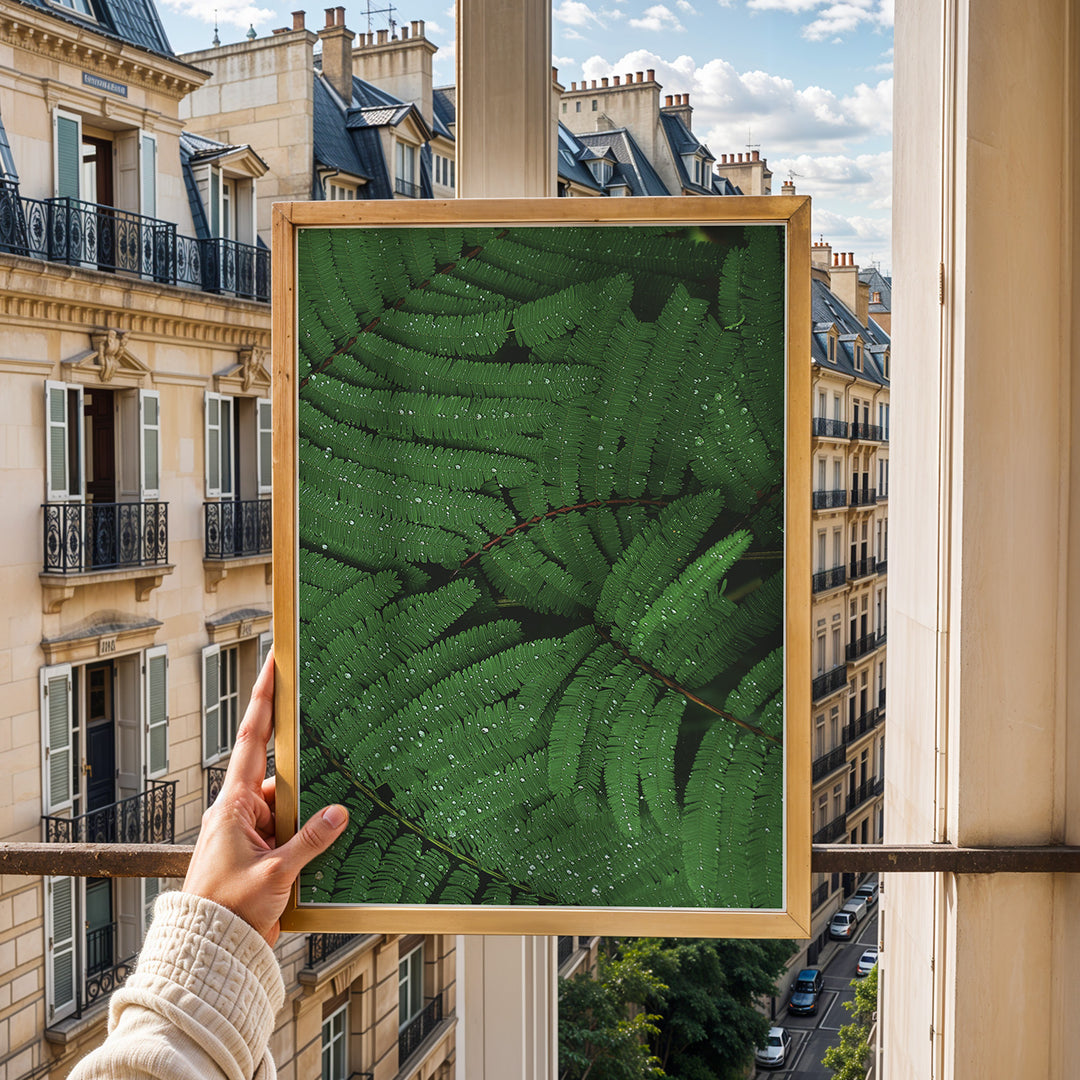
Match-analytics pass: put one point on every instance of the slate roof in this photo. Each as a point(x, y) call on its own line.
point(133, 21)
point(878, 283)
point(633, 166)
point(683, 141)
point(335, 146)
point(827, 311)
point(202, 149)
point(443, 102)
point(571, 168)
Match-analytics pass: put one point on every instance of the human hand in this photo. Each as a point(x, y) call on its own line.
point(236, 862)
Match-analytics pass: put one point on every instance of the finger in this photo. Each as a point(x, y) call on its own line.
point(316, 835)
point(269, 792)
point(248, 764)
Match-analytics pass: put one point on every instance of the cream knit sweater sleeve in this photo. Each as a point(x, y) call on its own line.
point(199, 1006)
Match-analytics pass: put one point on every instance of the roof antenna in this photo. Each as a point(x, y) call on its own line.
point(217, 39)
point(389, 10)
point(751, 145)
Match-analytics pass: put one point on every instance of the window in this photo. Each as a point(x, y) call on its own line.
point(221, 699)
point(406, 162)
point(823, 404)
point(601, 170)
point(336, 190)
point(410, 985)
point(80, 7)
point(564, 106)
point(875, 298)
point(832, 349)
point(577, 106)
point(821, 474)
point(837, 647)
point(858, 356)
point(838, 800)
point(594, 104)
point(823, 811)
point(820, 651)
point(819, 736)
point(821, 542)
point(335, 1031)
point(230, 203)
point(237, 445)
point(838, 407)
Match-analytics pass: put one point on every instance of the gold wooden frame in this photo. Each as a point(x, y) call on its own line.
point(793, 918)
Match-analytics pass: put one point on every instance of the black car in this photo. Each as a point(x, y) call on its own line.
point(805, 992)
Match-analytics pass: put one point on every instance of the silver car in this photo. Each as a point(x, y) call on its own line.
point(867, 962)
point(776, 1049)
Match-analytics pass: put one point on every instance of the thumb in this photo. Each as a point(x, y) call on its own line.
point(315, 836)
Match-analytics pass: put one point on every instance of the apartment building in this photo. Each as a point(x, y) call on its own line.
point(137, 565)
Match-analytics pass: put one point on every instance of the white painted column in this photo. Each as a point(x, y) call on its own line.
point(507, 985)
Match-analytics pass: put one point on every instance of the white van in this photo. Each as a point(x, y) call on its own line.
point(857, 906)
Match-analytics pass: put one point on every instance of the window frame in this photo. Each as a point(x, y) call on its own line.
point(340, 1038)
point(407, 979)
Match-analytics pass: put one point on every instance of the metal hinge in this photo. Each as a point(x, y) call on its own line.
point(941, 284)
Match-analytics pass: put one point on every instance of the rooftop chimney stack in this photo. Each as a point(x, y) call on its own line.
point(337, 46)
point(401, 65)
point(788, 187)
point(298, 20)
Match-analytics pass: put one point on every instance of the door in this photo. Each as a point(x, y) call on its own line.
point(101, 423)
point(97, 187)
point(129, 734)
point(100, 926)
point(100, 767)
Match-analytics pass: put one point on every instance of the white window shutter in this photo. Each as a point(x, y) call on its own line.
point(56, 715)
point(150, 444)
point(227, 447)
point(211, 713)
point(156, 683)
point(266, 447)
point(151, 889)
point(148, 175)
point(212, 441)
point(266, 639)
point(60, 961)
point(57, 478)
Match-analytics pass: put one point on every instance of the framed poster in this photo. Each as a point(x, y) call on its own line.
point(541, 563)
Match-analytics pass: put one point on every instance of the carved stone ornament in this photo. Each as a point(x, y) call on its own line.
point(110, 358)
point(253, 368)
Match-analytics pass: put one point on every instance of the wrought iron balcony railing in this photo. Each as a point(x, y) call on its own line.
point(407, 188)
point(321, 947)
point(828, 500)
point(832, 832)
point(828, 762)
point(103, 972)
point(870, 432)
point(81, 537)
point(881, 701)
point(835, 429)
point(215, 777)
point(882, 566)
point(861, 646)
point(829, 579)
point(863, 496)
point(863, 567)
point(820, 895)
point(861, 725)
point(99, 237)
point(235, 528)
point(866, 791)
point(146, 818)
point(418, 1029)
point(829, 682)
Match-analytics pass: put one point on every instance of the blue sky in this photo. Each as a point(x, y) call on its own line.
point(810, 81)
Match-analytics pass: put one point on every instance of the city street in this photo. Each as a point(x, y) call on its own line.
point(812, 1035)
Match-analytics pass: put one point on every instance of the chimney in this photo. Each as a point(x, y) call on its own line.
point(400, 65)
point(404, 33)
point(845, 285)
point(679, 106)
point(298, 20)
point(821, 255)
point(650, 74)
point(615, 80)
point(787, 187)
point(337, 46)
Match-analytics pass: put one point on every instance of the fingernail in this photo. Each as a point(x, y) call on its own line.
point(335, 816)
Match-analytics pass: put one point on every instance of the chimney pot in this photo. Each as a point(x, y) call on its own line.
point(383, 34)
point(757, 155)
point(650, 74)
point(339, 16)
point(615, 80)
point(740, 157)
point(835, 259)
point(603, 82)
point(638, 77)
point(594, 84)
point(329, 17)
point(415, 32)
point(573, 86)
point(667, 101)
point(298, 20)
point(629, 77)
point(420, 32)
point(554, 73)
point(404, 33)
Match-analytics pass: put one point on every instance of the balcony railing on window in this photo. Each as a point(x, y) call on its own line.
point(407, 188)
point(863, 496)
point(321, 947)
point(862, 724)
point(820, 895)
point(833, 831)
point(215, 777)
point(829, 579)
point(869, 432)
point(566, 948)
point(98, 237)
point(861, 568)
point(418, 1029)
point(881, 701)
point(828, 762)
point(828, 500)
point(236, 528)
point(81, 537)
point(836, 429)
point(104, 972)
point(882, 566)
point(146, 818)
point(831, 680)
point(866, 791)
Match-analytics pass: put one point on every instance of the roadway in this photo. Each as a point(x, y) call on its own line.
point(811, 1036)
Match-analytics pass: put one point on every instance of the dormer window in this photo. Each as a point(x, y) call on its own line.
point(337, 190)
point(601, 170)
point(80, 7)
point(875, 298)
point(858, 356)
point(832, 349)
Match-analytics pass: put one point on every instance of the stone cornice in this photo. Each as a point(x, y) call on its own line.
point(69, 42)
point(37, 293)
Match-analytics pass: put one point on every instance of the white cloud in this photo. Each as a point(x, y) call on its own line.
point(224, 13)
point(572, 35)
point(656, 19)
point(563, 61)
point(433, 28)
point(864, 178)
point(833, 18)
point(793, 7)
point(574, 13)
point(686, 7)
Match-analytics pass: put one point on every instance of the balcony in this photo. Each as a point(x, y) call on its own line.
point(866, 432)
point(861, 568)
point(566, 948)
point(829, 500)
point(881, 702)
point(237, 529)
point(418, 1029)
point(882, 566)
point(146, 818)
point(215, 777)
point(861, 646)
point(833, 831)
point(97, 237)
point(829, 762)
point(104, 972)
point(84, 537)
point(829, 682)
point(863, 497)
point(866, 791)
point(829, 429)
point(406, 188)
point(820, 895)
point(829, 579)
point(859, 727)
point(321, 947)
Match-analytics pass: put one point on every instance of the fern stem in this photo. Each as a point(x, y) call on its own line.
point(383, 805)
point(593, 504)
point(671, 684)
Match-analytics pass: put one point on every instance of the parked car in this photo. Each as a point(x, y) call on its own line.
point(805, 992)
point(869, 892)
point(776, 1049)
point(857, 907)
point(867, 962)
point(842, 926)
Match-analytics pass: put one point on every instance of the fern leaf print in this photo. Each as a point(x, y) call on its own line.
point(541, 570)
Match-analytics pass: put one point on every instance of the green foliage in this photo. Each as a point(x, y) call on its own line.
point(540, 568)
point(850, 1059)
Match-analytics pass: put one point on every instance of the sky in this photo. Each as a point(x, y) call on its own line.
point(808, 82)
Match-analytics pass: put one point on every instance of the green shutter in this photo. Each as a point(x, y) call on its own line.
point(211, 684)
point(157, 711)
point(213, 446)
point(56, 443)
point(56, 736)
point(150, 463)
point(266, 447)
point(68, 156)
point(60, 947)
point(215, 202)
point(148, 175)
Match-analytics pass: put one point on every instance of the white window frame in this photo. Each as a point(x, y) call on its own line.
point(222, 454)
point(149, 433)
point(410, 973)
point(64, 494)
point(56, 796)
point(264, 444)
point(330, 1039)
point(61, 894)
point(155, 712)
point(211, 704)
